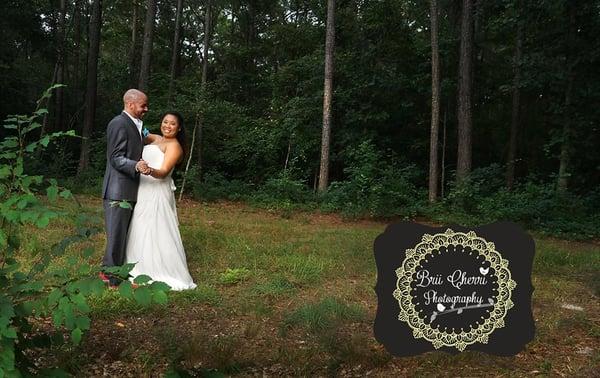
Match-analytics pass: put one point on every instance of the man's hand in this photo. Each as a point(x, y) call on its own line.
point(143, 168)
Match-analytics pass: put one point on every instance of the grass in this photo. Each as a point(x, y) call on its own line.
point(323, 315)
point(292, 294)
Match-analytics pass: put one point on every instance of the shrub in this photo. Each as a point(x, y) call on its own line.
point(214, 186)
point(482, 198)
point(39, 290)
point(375, 186)
point(283, 191)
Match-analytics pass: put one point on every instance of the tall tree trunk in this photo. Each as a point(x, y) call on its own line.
point(77, 49)
point(197, 136)
point(465, 116)
point(60, 68)
point(327, 97)
point(516, 105)
point(435, 104)
point(133, 49)
point(565, 150)
point(205, 47)
point(147, 48)
point(443, 178)
point(176, 49)
point(92, 85)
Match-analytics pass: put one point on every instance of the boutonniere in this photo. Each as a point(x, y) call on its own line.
point(145, 132)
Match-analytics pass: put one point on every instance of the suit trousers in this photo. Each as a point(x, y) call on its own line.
point(116, 221)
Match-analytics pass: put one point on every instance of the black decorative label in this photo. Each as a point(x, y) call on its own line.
point(454, 288)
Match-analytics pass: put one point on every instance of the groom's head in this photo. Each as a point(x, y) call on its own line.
point(135, 103)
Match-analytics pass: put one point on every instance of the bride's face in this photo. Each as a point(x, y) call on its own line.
point(169, 126)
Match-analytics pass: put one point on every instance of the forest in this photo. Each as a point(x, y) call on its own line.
point(433, 110)
point(310, 126)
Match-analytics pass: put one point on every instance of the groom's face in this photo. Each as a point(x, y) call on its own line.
point(138, 107)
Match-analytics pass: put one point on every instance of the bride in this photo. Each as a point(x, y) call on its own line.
point(153, 242)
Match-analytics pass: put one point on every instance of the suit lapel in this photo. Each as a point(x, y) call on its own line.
point(132, 124)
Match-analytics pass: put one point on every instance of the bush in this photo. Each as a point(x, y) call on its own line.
point(283, 190)
point(482, 198)
point(375, 187)
point(39, 290)
point(214, 186)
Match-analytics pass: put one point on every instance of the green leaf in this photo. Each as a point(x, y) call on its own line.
point(82, 322)
point(69, 316)
point(10, 332)
point(4, 171)
point(97, 286)
point(25, 201)
point(8, 155)
point(32, 126)
point(160, 297)
point(7, 355)
point(66, 194)
point(57, 317)
point(44, 219)
point(40, 112)
point(80, 303)
point(124, 205)
point(31, 147)
point(45, 140)
point(157, 285)
point(88, 252)
point(3, 239)
point(54, 296)
point(6, 310)
point(142, 279)
point(11, 142)
point(143, 296)
point(25, 308)
point(18, 170)
point(84, 269)
point(52, 193)
point(125, 289)
point(76, 336)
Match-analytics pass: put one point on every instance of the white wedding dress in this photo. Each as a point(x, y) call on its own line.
point(154, 242)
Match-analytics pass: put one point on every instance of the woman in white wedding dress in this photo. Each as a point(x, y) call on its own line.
point(154, 242)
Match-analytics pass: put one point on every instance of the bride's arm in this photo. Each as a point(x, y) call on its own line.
point(173, 154)
point(150, 138)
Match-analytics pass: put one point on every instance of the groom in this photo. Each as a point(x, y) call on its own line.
point(122, 176)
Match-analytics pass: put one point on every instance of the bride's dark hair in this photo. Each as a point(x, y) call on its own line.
point(181, 134)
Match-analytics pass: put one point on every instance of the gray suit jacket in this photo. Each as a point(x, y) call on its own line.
point(123, 151)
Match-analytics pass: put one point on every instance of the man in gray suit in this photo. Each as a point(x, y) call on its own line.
point(122, 176)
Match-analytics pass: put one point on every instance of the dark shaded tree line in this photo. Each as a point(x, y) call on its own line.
point(271, 88)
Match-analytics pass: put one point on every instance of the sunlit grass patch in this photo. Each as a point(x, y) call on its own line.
point(305, 269)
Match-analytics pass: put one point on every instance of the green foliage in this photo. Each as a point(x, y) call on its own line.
point(375, 186)
point(38, 289)
point(483, 198)
point(214, 185)
point(283, 192)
